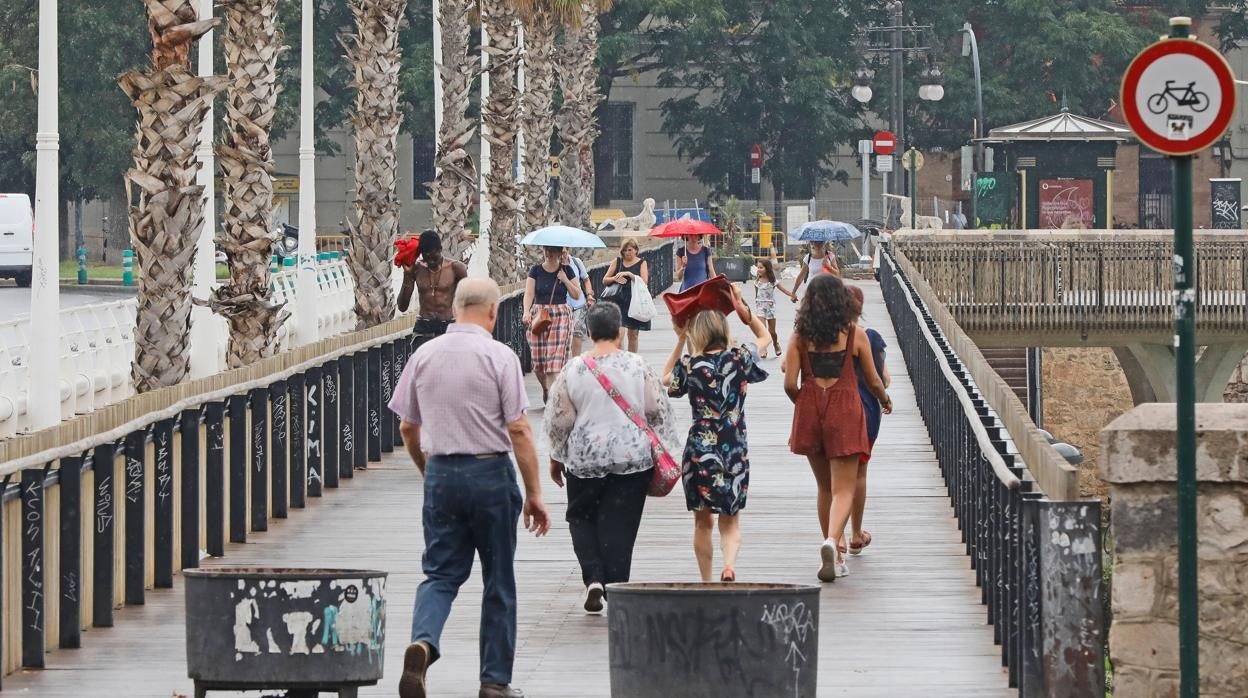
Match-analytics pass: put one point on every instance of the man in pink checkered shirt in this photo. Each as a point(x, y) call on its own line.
point(462, 404)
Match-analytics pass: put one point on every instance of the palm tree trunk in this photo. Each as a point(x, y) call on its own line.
point(251, 51)
point(166, 211)
point(374, 54)
point(578, 81)
point(455, 185)
point(499, 116)
point(537, 118)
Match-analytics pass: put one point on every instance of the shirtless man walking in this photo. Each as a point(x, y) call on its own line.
point(435, 278)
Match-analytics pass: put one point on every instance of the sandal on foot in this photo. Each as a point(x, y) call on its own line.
point(728, 575)
point(827, 554)
point(857, 548)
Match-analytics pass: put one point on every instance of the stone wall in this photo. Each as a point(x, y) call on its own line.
point(1084, 389)
point(1237, 388)
point(1138, 462)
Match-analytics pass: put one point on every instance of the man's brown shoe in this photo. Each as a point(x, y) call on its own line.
point(498, 690)
point(415, 664)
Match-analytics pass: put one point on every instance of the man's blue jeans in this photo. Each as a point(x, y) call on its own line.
point(472, 505)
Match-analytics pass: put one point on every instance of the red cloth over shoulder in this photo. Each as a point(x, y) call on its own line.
point(406, 251)
point(713, 294)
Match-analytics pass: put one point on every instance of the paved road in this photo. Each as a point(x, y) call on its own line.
point(16, 301)
point(907, 622)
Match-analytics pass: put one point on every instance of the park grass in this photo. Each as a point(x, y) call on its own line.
point(113, 272)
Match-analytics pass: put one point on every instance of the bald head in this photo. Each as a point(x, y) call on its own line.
point(476, 302)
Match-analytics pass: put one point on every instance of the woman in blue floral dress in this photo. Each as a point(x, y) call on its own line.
point(716, 473)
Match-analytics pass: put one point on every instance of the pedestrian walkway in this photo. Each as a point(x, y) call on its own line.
point(907, 621)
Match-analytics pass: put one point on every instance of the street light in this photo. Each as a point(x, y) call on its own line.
point(970, 47)
point(933, 87)
point(898, 48)
point(862, 84)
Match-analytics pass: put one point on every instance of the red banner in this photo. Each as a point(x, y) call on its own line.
point(1066, 203)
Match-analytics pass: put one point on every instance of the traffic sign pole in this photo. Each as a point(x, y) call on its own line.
point(913, 198)
point(865, 147)
point(1178, 96)
point(1185, 396)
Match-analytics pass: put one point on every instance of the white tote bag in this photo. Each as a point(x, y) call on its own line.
point(641, 307)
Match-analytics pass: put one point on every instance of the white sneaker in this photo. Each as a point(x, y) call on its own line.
point(593, 598)
point(827, 554)
point(842, 569)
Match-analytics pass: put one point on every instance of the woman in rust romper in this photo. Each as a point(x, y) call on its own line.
point(829, 425)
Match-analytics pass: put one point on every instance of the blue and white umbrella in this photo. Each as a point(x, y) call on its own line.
point(562, 236)
point(827, 231)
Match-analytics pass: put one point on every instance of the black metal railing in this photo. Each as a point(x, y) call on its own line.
point(292, 436)
point(1036, 561)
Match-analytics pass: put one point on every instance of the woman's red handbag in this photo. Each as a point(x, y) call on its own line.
point(713, 294)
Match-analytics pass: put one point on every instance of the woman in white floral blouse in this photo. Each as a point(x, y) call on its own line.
point(604, 458)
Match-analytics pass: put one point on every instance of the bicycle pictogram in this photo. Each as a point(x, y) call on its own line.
point(1183, 97)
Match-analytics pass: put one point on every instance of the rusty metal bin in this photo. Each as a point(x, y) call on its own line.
point(733, 640)
point(304, 630)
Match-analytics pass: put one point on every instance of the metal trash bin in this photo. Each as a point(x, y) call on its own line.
point(304, 630)
point(735, 640)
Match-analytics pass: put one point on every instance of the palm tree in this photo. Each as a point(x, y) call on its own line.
point(498, 114)
point(578, 129)
point(251, 51)
point(455, 184)
point(166, 211)
point(541, 19)
point(374, 55)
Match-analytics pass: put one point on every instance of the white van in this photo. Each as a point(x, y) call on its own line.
point(17, 238)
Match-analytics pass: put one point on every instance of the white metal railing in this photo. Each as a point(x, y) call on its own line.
point(97, 345)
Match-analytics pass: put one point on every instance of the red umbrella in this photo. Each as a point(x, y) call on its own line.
point(681, 227)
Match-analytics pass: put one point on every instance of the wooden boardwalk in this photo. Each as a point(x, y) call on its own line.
point(906, 622)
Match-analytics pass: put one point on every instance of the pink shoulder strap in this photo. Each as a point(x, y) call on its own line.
point(621, 402)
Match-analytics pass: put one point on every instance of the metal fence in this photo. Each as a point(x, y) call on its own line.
point(1037, 561)
point(96, 511)
point(97, 343)
point(1046, 282)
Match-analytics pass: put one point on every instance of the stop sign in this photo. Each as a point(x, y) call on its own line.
point(884, 143)
point(756, 156)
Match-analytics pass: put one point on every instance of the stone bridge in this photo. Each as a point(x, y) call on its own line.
point(1058, 288)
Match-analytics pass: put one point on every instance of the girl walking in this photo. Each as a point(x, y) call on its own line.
point(629, 267)
point(547, 316)
point(861, 538)
point(693, 263)
point(829, 425)
point(765, 298)
point(716, 472)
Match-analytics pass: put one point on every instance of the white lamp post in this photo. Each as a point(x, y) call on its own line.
point(479, 265)
point(44, 407)
point(306, 292)
point(204, 359)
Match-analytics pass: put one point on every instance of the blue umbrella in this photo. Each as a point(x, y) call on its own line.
point(827, 231)
point(562, 236)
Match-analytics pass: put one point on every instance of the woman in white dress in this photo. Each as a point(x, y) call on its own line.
point(603, 458)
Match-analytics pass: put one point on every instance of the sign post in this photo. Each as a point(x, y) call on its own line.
point(912, 161)
point(1178, 96)
point(865, 147)
point(756, 164)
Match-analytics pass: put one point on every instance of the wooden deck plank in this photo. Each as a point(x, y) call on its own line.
point(906, 622)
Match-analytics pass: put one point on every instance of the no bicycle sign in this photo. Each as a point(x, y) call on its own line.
point(1178, 96)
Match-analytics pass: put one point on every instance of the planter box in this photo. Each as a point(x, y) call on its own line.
point(713, 640)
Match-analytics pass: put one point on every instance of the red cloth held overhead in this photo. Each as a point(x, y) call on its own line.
point(713, 294)
point(406, 251)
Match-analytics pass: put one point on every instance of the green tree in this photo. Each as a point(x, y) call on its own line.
point(101, 40)
point(98, 41)
point(1035, 56)
point(760, 73)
